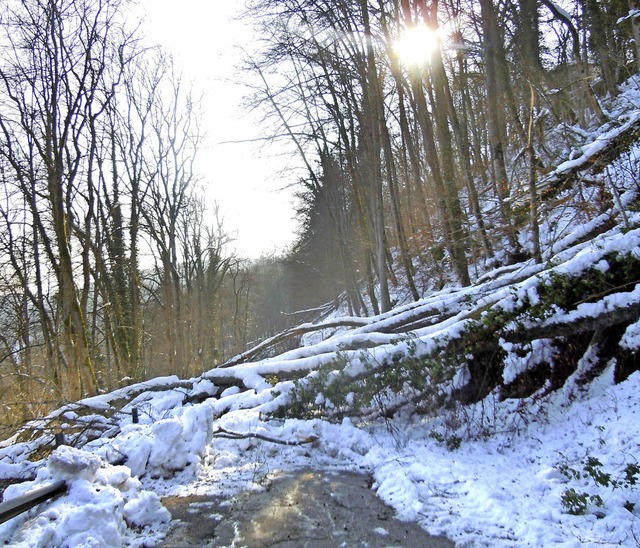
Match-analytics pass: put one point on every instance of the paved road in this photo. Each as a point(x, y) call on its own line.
point(302, 508)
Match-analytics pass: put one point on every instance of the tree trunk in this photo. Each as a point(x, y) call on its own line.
point(458, 233)
point(373, 111)
point(490, 37)
point(529, 40)
point(634, 8)
point(82, 377)
point(577, 57)
point(533, 190)
point(601, 44)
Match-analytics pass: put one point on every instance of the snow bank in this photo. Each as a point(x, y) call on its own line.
point(507, 489)
point(101, 504)
point(162, 448)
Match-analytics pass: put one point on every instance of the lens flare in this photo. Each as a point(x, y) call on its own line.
point(416, 45)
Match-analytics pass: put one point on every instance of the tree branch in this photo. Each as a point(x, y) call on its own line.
point(228, 434)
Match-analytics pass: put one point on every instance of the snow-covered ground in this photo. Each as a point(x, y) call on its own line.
point(504, 490)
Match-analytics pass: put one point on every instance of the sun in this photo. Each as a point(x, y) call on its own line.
point(416, 45)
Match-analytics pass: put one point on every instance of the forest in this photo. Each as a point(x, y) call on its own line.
point(418, 175)
point(456, 324)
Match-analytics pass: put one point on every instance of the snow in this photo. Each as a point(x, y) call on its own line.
point(516, 364)
point(507, 489)
point(495, 473)
point(561, 11)
point(631, 338)
point(500, 472)
point(106, 497)
point(598, 142)
point(633, 13)
point(492, 474)
point(503, 490)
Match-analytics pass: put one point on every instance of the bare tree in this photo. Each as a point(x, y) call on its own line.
point(53, 75)
point(171, 149)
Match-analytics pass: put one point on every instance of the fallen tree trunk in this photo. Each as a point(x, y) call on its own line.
point(254, 353)
point(608, 318)
point(608, 147)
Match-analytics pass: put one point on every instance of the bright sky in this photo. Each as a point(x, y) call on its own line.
point(243, 178)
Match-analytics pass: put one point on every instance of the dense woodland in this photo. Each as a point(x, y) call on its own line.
point(113, 269)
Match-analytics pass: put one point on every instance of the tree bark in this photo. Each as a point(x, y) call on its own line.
point(490, 37)
point(634, 8)
point(373, 110)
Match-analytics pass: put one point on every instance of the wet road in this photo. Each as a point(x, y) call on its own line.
point(302, 508)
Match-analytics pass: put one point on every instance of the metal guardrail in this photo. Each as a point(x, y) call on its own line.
point(16, 506)
point(12, 508)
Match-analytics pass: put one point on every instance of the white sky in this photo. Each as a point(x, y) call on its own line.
point(243, 178)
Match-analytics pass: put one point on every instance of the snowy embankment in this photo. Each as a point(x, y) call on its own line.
point(495, 472)
point(502, 414)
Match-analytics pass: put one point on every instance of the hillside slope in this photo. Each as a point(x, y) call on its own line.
point(504, 413)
